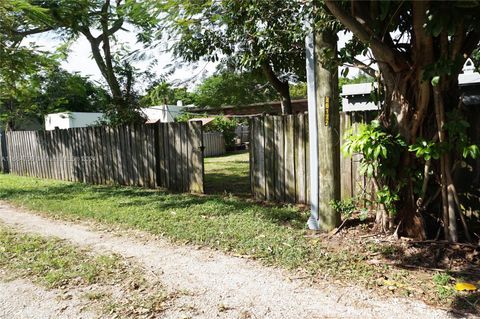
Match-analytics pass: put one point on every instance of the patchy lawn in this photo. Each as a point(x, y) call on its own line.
point(228, 174)
point(108, 282)
point(274, 234)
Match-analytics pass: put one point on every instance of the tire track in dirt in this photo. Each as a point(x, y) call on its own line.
point(214, 285)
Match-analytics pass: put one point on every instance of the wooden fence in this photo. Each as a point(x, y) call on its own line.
point(214, 144)
point(279, 158)
point(164, 155)
point(3, 153)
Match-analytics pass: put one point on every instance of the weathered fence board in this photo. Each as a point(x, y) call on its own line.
point(258, 164)
point(283, 141)
point(279, 168)
point(4, 153)
point(165, 155)
point(290, 159)
point(196, 156)
point(269, 158)
point(214, 144)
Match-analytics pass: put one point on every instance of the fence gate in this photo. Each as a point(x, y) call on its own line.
point(279, 158)
point(166, 155)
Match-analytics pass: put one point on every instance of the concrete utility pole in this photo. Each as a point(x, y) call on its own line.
point(324, 128)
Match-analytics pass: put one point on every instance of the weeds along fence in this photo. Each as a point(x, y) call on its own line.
point(214, 144)
point(164, 155)
point(279, 158)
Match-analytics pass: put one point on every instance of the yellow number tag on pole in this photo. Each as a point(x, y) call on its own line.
point(327, 111)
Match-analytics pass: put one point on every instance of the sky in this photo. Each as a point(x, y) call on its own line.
point(80, 60)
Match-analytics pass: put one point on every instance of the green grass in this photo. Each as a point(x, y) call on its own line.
point(443, 285)
point(272, 233)
point(228, 174)
point(54, 263)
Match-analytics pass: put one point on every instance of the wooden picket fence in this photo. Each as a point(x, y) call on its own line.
point(3, 153)
point(214, 144)
point(279, 158)
point(165, 155)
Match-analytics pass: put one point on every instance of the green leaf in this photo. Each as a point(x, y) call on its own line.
point(384, 152)
point(370, 170)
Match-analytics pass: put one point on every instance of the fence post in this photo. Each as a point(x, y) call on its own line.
point(4, 152)
point(324, 132)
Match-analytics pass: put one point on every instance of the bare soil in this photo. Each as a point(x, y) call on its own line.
point(20, 299)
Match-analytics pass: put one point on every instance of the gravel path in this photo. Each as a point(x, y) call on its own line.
point(20, 299)
point(214, 285)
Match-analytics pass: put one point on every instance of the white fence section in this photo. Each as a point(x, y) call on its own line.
point(214, 144)
point(242, 134)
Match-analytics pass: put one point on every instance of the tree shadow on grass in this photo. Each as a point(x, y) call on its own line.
point(228, 174)
point(221, 183)
point(160, 200)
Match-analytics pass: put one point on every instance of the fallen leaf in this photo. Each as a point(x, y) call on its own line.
point(462, 286)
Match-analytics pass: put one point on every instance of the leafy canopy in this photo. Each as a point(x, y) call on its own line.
point(245, 34)
point(231, 88)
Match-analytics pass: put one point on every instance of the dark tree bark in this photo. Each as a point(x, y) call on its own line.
point(282, 87)
point(412, 105)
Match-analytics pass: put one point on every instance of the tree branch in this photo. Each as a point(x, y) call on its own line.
point(86, 32)
point(32, 31)
point(281, 87)
point(380, 49)
point(365, 67)
point(422, 56)
point(117, 25)
point(458, 40)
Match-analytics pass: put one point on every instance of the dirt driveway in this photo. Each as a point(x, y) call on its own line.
point(213, 285)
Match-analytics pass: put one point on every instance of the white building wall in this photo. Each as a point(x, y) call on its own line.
point(163, 113)
point(67, 120)
point(85, 119)
point(60, 120)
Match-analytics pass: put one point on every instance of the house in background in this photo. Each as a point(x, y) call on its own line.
point(272, 108)
point(163, 113)
point(153, 114)
point(67, 120)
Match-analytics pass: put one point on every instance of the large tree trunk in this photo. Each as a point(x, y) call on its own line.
point(414, 106)
point(400, 97)
point(282, 87)
point(285, 100)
